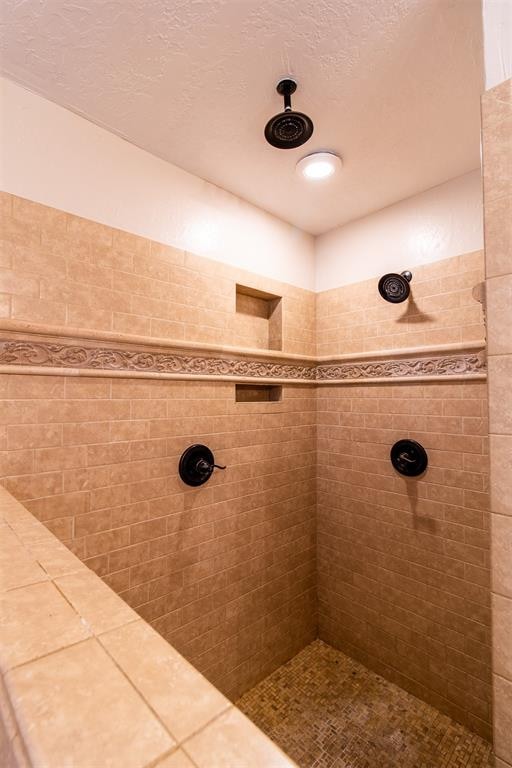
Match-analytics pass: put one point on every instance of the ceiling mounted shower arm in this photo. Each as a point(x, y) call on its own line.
point(285, 88)
point(288, 129)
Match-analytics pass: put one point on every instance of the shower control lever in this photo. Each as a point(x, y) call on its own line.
point(197, 464)
point(205, 467)
point(409, 458)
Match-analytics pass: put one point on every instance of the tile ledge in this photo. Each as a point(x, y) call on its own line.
point(15, 516)
point(53, 332)
point(29, 330)
point(404, 352)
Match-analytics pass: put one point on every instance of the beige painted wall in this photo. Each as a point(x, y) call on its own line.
point(55, 157)
point(437, 224)
point(73, 165)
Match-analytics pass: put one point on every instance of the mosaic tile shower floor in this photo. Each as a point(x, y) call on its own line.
point(327, 711)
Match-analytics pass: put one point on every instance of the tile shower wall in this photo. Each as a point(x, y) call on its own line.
point(497, 160)
point(60, 270)
point(403, 565)
point(442, 310)
point(225, 572)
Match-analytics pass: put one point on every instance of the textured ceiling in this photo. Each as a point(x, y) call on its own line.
point(392, 85)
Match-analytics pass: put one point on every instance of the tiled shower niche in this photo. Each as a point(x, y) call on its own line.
point(258, 393)
point(259, 318)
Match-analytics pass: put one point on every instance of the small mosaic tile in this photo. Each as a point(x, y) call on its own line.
point(326, 710)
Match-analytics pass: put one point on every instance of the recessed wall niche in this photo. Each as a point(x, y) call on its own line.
point(257, 393)
point(259, 318)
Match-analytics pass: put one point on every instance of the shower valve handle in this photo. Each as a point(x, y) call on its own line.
point(197, 464)
point(205, 467)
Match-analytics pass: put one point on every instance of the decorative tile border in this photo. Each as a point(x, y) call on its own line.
point(42, 353)
point(442, 365)
point(69, 357)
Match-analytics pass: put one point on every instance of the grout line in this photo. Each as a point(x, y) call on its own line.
point(156, 762)
point(208, 724)
point(142, 695)
point(501, 594)
point(50, 653)
point(132, 683)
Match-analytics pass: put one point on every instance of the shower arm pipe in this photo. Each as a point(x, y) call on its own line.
point(285, 88)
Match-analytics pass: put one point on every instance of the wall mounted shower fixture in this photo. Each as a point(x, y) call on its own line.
point(395, 287)
point(288, 129)
point(409, 458)
point(197, 464)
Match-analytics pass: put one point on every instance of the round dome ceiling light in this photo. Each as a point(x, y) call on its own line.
point(319, 166)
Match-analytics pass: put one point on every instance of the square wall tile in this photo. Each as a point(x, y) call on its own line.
point(501, 554)
point(36, 620)
point(498, 236)
point(500, 394)
point(235, 741)
point(502, 635)
point(499, 313)
point(502, 718)
point(155, 668)
point(501, 473)
point(66, 699)
point(100, 608)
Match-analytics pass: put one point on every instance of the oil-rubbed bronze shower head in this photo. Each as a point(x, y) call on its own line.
point(288, 129)
point(395, 287)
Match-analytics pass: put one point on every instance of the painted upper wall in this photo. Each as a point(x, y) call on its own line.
point(55, 157)
point(497, 20)
point(442, 222)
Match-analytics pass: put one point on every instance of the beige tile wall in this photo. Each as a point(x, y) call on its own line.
point(441, 310)
point(60, 270)
point(497, 161)
point(403, 565)
point(225, 572)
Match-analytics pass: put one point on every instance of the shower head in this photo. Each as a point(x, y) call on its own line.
point(395, 288)
point(288, 129)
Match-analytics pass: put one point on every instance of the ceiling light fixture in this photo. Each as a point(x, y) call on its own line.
point(319, 166)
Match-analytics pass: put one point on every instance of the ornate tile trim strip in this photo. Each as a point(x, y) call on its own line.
point(45, 354)
point(442, 365)
point(42, 353)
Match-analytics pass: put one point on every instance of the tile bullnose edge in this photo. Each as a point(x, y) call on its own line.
point(112, 337)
